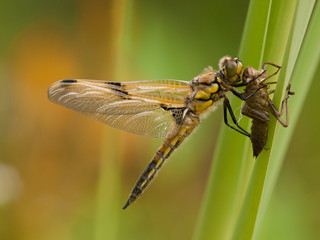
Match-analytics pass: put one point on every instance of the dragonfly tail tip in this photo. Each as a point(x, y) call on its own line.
point(126, 205)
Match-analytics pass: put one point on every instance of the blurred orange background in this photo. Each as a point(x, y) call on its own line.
point(66, 176)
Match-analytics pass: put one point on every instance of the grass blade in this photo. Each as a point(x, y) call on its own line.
point(220, 204)
point(108, 200)
point(304, 71)
point(247, 221)
point(108, 205)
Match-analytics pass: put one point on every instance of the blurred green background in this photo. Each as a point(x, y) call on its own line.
point(51, 182)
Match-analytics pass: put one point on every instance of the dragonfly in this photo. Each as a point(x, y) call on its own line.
point(166, 108)
point(260, 106)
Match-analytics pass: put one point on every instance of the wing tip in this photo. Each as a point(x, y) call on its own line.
point(57, 85)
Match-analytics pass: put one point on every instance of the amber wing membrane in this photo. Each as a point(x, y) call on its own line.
point(141, 107)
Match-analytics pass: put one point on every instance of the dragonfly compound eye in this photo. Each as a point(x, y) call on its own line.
point(231, 67)
point(239, 66)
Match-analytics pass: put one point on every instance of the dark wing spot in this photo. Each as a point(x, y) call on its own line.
point(69, 81)
point(170, 108)
point(114, 83)
point(121, 91)
point(164, 107)
point(118, 89)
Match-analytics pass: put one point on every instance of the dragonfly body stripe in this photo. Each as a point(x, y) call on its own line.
point(160, 155)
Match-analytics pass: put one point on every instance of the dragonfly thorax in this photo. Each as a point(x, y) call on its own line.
point(205, 91)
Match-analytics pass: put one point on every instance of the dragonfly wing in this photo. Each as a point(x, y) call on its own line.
point(150, 108)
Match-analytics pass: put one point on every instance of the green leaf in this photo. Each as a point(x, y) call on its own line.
point(274, 31)
point(108, 207)
point(278, 37)
point(228, 173)
point(301, 79)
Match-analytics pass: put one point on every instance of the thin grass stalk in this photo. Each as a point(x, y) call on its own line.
point(108, 201)
point(108, 205)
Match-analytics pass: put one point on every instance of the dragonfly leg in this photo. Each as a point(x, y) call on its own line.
point(241, 95)
point(284, 107)
point(227, 108)
point(264, 66)
point(242, 84)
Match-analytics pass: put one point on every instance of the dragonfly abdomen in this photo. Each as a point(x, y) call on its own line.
point(259, 132)
point(167, 147)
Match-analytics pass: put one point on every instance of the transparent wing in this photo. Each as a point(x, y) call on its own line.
point(148, 108)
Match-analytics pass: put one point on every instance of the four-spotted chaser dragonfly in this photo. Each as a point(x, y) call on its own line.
point(169, 109)
point(259, 106)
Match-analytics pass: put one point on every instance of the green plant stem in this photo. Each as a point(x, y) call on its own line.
point(270, 35)
point(221, 201)
point(108, 200)
point(252, 204)
point(301, 79)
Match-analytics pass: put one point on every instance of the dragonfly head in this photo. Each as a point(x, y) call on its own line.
point(249, 73)
point(231, 68)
